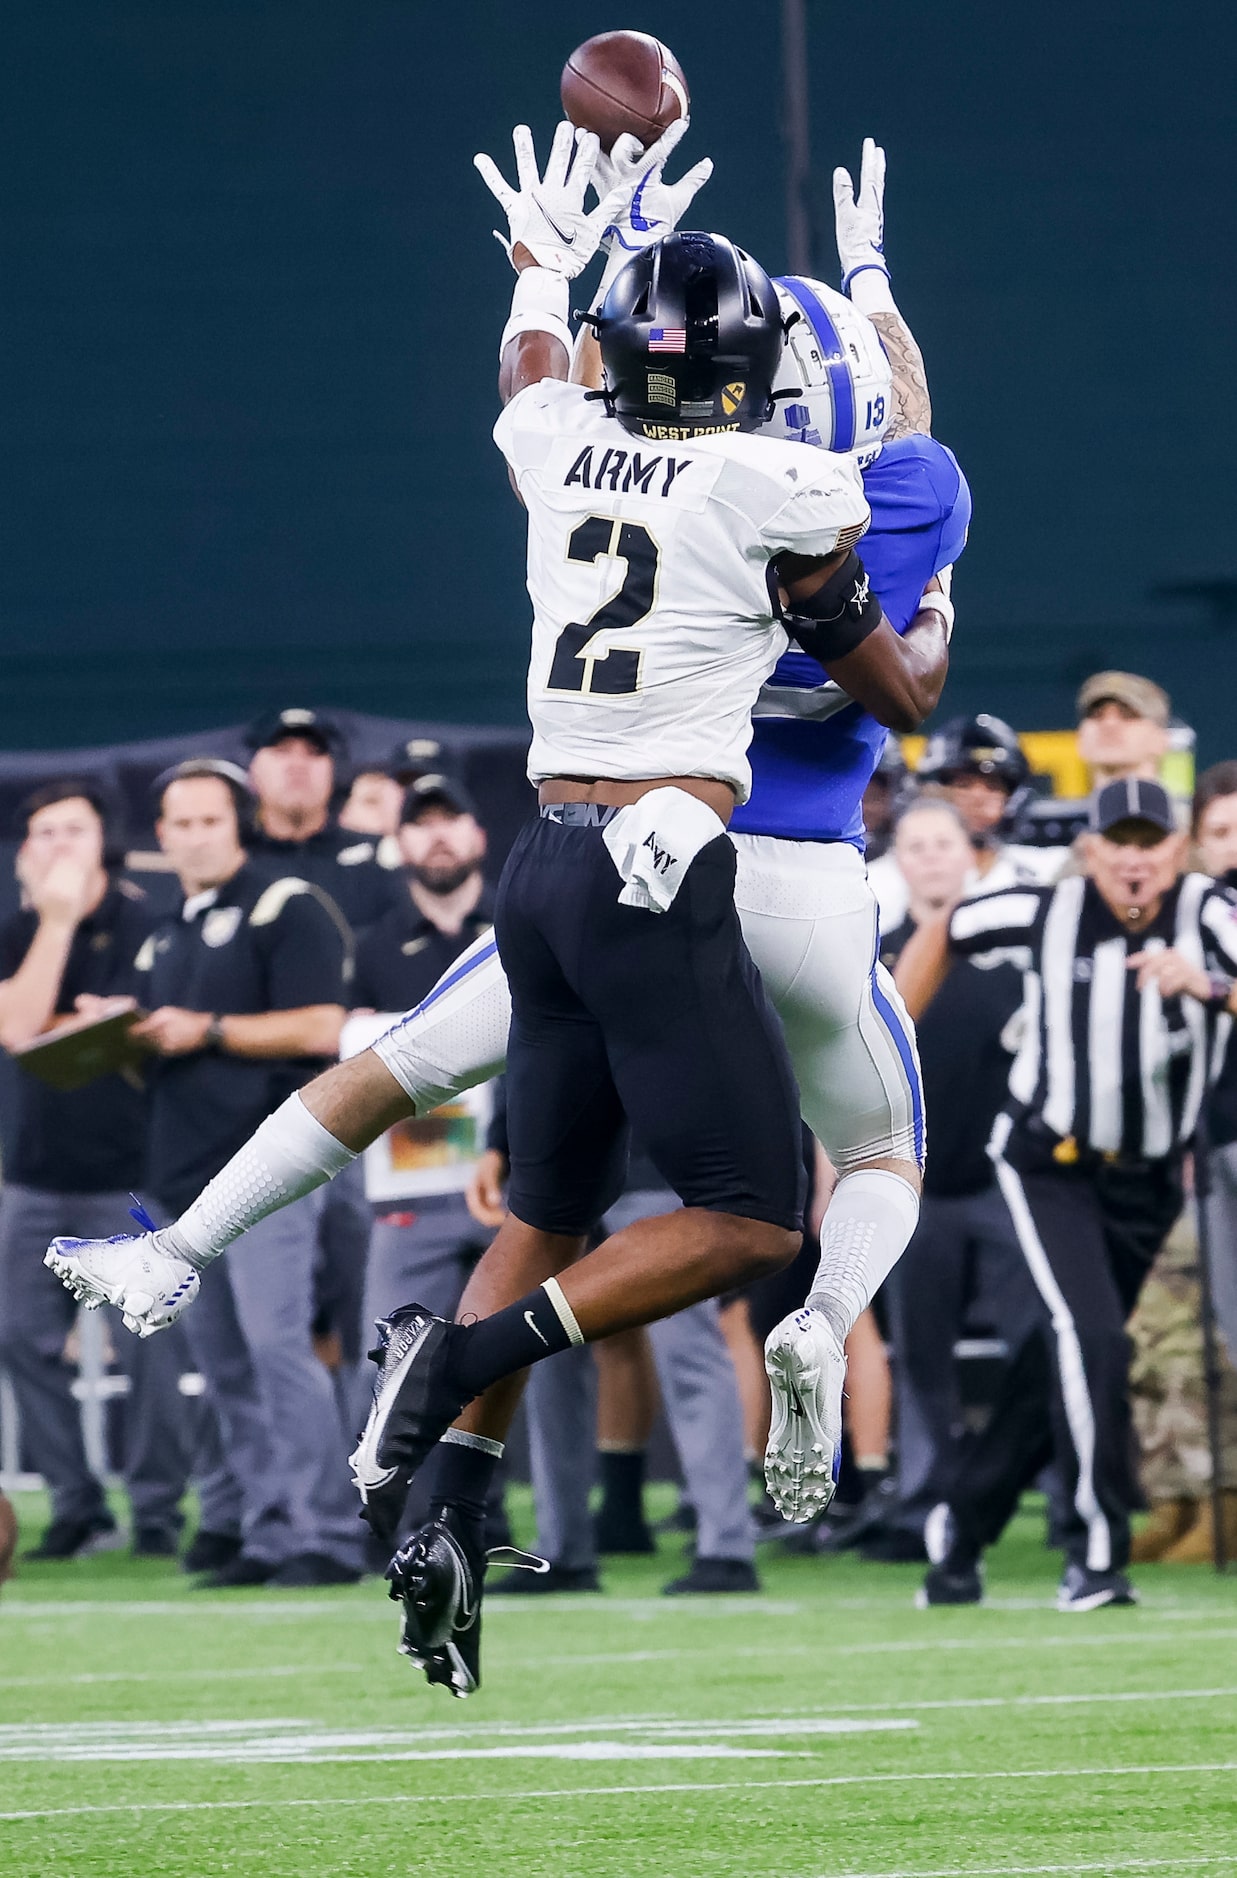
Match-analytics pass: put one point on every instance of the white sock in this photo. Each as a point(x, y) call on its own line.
point(867, 1229)
point(287, 1157)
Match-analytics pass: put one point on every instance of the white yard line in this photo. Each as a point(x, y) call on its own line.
point(1070, 1636)
point(799, 1717)
point(633, 1792)
point(89, 1678)
point(1034, 1701)
point(1046, 1871)
point(299, 1741)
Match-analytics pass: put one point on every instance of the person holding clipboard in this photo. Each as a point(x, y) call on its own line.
point(76, 1155)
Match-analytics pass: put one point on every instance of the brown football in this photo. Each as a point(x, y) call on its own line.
point(624, 81)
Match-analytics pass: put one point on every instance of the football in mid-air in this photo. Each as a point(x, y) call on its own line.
point(624, 81)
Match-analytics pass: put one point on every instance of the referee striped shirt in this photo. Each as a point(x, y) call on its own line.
point(1116, 1069)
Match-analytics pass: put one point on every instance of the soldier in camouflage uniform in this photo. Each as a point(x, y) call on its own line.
point(1170, 1410)
point(8, 1537)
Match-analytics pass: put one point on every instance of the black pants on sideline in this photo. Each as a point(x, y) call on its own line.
point(962, 1252)
point(1089, 1232)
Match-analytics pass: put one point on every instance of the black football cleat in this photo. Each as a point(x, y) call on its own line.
point(438, 1578)
point(954, 1582)
point(413, 1407)
point(1082, 1589)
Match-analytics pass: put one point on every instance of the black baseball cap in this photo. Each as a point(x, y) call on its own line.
point(1132, 799)
point(436, 792)
point(412, 756)
point(314, 726)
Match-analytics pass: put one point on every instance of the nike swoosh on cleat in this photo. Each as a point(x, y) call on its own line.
point(466, 1613)
point(367, 1471)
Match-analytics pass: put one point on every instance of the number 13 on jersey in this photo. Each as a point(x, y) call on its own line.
point(583, 662)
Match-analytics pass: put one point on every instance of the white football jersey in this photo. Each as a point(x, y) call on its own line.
point(653, 628)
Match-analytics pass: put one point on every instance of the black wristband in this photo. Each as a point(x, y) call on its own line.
point(839, 616)
point(214, 1034)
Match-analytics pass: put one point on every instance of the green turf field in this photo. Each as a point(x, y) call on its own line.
point(823, 1728)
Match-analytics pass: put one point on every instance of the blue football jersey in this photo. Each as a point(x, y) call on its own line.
point(813, 748)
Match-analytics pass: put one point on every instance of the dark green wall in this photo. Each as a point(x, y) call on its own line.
point(251, 307)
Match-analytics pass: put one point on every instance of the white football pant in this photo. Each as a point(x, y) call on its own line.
point(810, 922)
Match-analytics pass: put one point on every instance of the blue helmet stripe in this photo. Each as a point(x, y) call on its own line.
point(840, 381)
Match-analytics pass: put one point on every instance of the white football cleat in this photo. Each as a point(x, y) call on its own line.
point(148, 1286)
point(806, 1367)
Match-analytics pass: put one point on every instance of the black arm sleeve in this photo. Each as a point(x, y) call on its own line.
point(839, 616)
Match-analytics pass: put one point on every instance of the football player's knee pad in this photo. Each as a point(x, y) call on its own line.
point(457, 1036)
point(900, 1144)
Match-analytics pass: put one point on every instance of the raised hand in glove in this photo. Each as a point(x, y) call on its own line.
point(653, 207)
point(860, 218)
point(546, 214)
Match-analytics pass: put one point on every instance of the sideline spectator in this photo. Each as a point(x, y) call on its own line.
point(1105, 1092)
point(292, 774)
point(889, 790)
point(1215, 838)
point(964, 1256)
point(979, 764)
point(8, 1538)
point(1168, 1390)
point(1122, 731)
point(246, 986)
point(1122, 726)
point(1170, 1399)
point(373, 805)
point(444, 906)
point(77, 1155)
point(426, 1242)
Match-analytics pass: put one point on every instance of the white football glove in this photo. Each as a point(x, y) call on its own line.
point(860, 219)
point(546, 214)
point(652, 206)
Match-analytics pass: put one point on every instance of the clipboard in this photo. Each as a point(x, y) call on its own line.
point(80, 1049)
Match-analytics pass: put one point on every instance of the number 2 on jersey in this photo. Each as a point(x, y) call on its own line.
point(610, 670)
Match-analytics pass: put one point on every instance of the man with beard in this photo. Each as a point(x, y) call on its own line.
point(429, 1251)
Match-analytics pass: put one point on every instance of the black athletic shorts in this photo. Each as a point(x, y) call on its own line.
point(658, 1018)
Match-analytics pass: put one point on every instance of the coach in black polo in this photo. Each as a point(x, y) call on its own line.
point(75, 1156)
point(246, 987)
point(1129, 993)
point(292, 773)
point(426, 1252)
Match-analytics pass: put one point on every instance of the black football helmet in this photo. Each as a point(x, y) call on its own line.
point(690, 336)
point(980, 746)
point(974, 746)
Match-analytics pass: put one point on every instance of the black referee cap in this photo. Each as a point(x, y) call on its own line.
point(1133, 799)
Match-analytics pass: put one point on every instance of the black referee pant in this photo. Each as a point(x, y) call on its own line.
point(1089, 1231)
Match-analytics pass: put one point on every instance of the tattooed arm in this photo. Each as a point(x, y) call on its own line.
point(912, 405)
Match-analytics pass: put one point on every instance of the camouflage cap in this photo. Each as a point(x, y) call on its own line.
point(1142, 696)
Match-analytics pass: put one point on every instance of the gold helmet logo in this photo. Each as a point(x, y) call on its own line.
point(732, 396)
